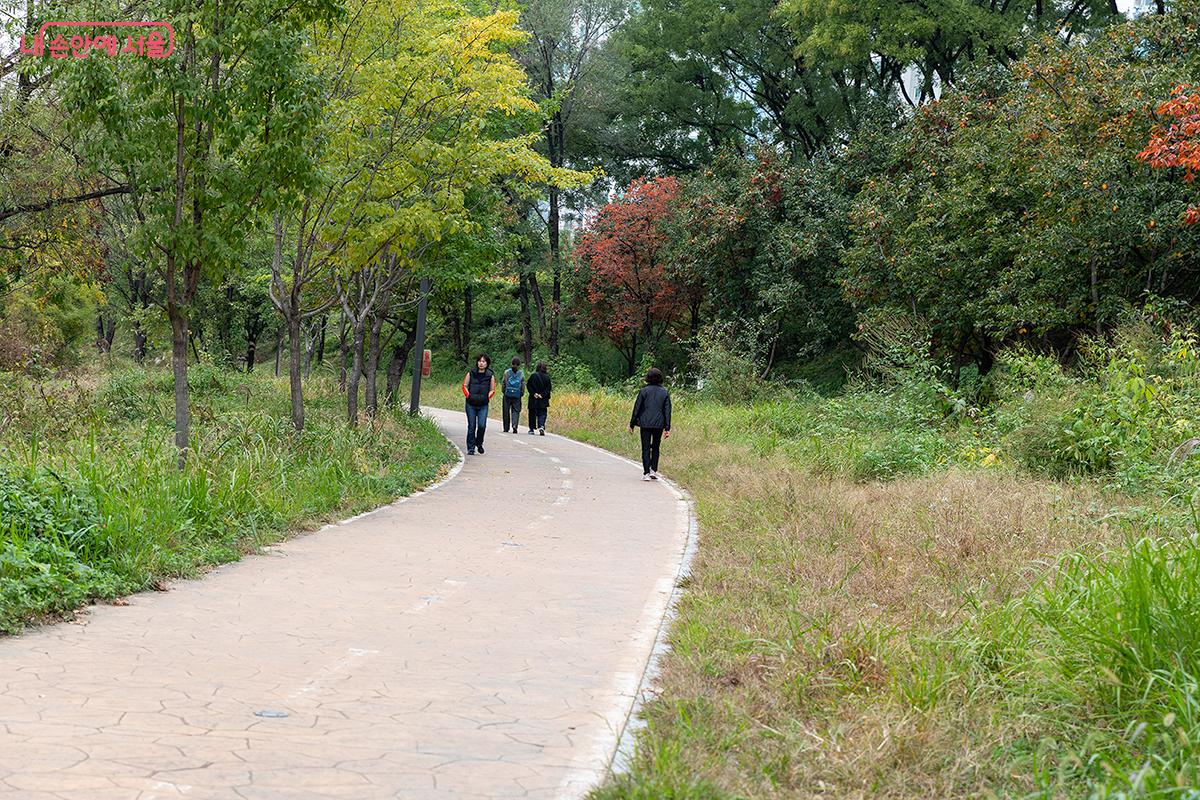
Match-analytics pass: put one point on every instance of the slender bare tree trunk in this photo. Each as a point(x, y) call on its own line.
point(295, 385)
point(321, 342)
point(539, 307)
point(179, 369)
point(374, 343)
point(106, 329)
point(526, 327)
point(468, 303)
point(355, 373)
point(343, 352)
point(310, 348)
point(395, 370)
point(554, 142)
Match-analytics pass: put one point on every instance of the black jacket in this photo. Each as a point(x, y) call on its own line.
point(538, 383)
point(652, 409)
point(479, 386)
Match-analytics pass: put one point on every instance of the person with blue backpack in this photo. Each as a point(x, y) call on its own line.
point(514, 389)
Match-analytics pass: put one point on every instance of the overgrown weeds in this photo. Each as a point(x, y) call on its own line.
point(916, 590)
point(93, 506)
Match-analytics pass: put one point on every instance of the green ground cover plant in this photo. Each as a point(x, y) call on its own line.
point(92, 504)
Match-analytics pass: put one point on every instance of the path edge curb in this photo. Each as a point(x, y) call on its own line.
point(449, 476)
point(621, 755)
point(623, 751)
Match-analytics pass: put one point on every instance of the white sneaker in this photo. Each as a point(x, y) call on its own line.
point(653, 476)
point(646, 477)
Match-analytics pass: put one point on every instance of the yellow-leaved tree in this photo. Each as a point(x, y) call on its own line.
point(425, 108)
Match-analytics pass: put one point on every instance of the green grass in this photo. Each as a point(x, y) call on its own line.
point(93, 506)
point(911, 590)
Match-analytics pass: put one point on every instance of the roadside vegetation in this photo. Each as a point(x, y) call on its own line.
point(919, 589)
point(923, 276)
point(93, 504)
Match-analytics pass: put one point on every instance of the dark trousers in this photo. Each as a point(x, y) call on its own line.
point(537, 418)
point(476, 425)
point(512, 410)
point(651, 439)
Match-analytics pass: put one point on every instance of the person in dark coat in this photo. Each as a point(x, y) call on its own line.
point(478, 386)
point(652, 414)
point(538, 387)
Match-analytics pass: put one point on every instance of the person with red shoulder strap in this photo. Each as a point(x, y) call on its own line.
point(478, 386)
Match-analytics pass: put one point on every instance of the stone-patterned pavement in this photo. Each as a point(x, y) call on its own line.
point(483, 640)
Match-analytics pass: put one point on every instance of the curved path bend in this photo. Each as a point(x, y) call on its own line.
point(482, 640)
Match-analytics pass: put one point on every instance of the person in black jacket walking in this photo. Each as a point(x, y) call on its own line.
point(652, 413)
point(478, 386)
point(539, 398)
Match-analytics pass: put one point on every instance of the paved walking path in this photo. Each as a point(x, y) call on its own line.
point(482, 640)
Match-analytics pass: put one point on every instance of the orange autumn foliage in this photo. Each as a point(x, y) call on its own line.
point(1176, 144)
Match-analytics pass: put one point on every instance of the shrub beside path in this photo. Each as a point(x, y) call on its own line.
point(485, 639)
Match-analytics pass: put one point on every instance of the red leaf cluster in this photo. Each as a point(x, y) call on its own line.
point(1177, 143)
point(629, 289)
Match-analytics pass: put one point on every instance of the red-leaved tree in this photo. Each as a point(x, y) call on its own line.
point(1177, 144)
point(622, 258)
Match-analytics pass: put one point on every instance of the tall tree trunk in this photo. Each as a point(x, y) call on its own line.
point(456, 329)
point(309, 336)
point(295, 386)
point(179, 369)
point(556, 288)
point(399, 360)
point(321, 341)
point(374, 344)
point(139, 343)
point(139, 300)
point(526, 327)
point(279, 353)
point(354, 373)
point(538, 306)
point(468, 303)
point(343, 353)
point(554, 147)
point(106, 329)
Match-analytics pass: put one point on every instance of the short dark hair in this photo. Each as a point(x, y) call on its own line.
point(516, 361)
point(654, 376)
point(485, 357)
point(541, 367)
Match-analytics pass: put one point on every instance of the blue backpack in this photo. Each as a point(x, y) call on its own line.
point(512, 383)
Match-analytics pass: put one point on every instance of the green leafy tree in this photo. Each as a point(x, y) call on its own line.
point(208, 139)
point(705, 76)
point(567, 66)
point(889, 44)
point(1018, 210)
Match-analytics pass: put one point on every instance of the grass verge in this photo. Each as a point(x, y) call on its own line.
point(881, 608)
point(92, 505)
